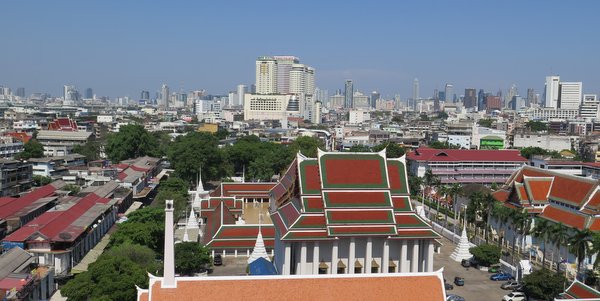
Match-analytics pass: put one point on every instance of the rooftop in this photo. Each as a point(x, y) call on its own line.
point(465, 155)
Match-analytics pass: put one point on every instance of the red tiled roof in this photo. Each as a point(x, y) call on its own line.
point(10, 208)
point(401, 203)
point(353, 199)
point(312, 204)
point(538, 188)
point(578, 290)
point(522, 193)
point(565, 188)
point(430, 154)
point(564, 216)
point(311, 180)
point(258, 190)
point(301, 288)
point(397, 176)
point(244, 231)
point(365, 217)
point(356, 171)
point(501, 195)
point(21, 136)
point(357, 231)
point(310, 221)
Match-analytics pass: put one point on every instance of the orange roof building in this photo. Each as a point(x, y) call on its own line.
point(347, 213)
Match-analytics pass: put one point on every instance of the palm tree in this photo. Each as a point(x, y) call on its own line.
point(559, 235)
point(520, 221)
point(502, 214)
point(454, 190)
point(488, 203)
point(542, 230)
point(580, 243)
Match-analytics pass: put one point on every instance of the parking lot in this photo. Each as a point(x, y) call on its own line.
point(478, 285)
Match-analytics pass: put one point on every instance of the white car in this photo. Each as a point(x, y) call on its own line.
point(514, 296)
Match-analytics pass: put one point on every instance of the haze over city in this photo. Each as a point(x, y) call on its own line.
point(119, 48)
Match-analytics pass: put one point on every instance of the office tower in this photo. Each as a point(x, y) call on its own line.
point(569, 95)
point(493, 103)
point(415, 93)
point(70, 93)
point(20, 92)
point(551, 91)
point(512, 92)
point(531, 97)
point(241, 90)
point(374, 97)
point(449, 93)
point(481, 100)
point(442, 95)
point(266, 75)
point(470, 99)
point(145, 95)
point(590, 107)
point(284, 66)
point(89, 93)
point(348, 94)
point(164, 96)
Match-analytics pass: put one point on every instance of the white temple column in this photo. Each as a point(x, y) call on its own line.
point(334, 257)
point(288, 259)
point(368, 255)
point(403, 262)
point(303, 258)
point(351, 256)
point(430, 250)
point(414, 260)
point(385, 264)
point(315, 260)
point(423, 253)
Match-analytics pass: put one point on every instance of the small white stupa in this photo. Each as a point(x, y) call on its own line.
point(462, 249)
point(186, 237)
point(199, 193)
point(259, 247)
point(192, 222)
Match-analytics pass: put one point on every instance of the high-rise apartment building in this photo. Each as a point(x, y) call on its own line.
point(145, 95)
point(531, 97)
point(415, 93)
point(590, 107)
point(241, 90)
point(89, 93)
point(20, 92)
point(448, 93)
point(470, 99)
point(266, 75)
point(70, 93)
point(481, 100)
point(164, 96)
point(569, 95)
point(551, 93)
point(284, 66)
point(348, 94)
point(374, 97)
point(301, 80)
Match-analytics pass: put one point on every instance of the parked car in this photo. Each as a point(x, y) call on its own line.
point(453, 297)
point(460, 281)
point(218, 260)
point(465, 263)
point(509, 285)
point(515, 296)
point(448, 286)
point(501, 277)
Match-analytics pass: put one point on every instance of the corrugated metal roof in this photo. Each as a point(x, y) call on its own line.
point(12, 260)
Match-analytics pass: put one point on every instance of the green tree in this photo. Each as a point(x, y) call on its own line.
point(146, 214)
point(360, 148)
point(130, 142)
point(559, 237)
point(536, 126)
point(528, 152)
point(542, 230)
point(222, 133)
point(397, 119)
point(414, 184)
point(90, 149)
point(72, 188)
point(543, 285)
point(260, 169)
point(197, 150)
point(442, 115)
point(502, 214)
point(392, 150)
point(486, 254)
point(580, 243)
point(191, 258)
point(149, 234)
point(32, 149)
point(306, 145)
point(485, 122)
point(443, 145)
point(41, 180)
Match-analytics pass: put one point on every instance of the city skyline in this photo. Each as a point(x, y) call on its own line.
point(123, 48)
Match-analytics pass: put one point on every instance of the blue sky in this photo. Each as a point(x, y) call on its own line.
point(121, 47)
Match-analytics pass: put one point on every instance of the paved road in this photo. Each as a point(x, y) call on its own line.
point(477, 287)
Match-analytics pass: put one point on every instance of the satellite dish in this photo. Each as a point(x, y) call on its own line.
point(65, 235)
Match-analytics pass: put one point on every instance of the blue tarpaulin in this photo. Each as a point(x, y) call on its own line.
point(262, 266)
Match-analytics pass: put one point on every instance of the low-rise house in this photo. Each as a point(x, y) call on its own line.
point(15, 177)
point(23, 279)
point(61, 143)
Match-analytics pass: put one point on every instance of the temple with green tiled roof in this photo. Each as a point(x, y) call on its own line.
point(348, 213)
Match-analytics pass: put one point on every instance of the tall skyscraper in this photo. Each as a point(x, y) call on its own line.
point(145, 95)
point(415, 93)
point(284, 66)
point(531, 97)
point(470, 99)
point(449, 93)
point(481, 100)
point(241, 91)
point(374, 97)
point(20, 92)
point(301, 79)
point(551, 91)
point(70, 93)
point(570, 95)
point(89, 93)
point(348, 94)
point(164, 96)
point(266, 75)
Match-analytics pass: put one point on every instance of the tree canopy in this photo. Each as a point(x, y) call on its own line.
point(486, 254)
point(32, 149)
point(536, 126)
point(191, 258)
point(443, 145)
point(544, 284)
point(306, 145)
point(487, 122)
point(143, 227)
point(195, 150)
point(131, 141)
point(392, 150)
